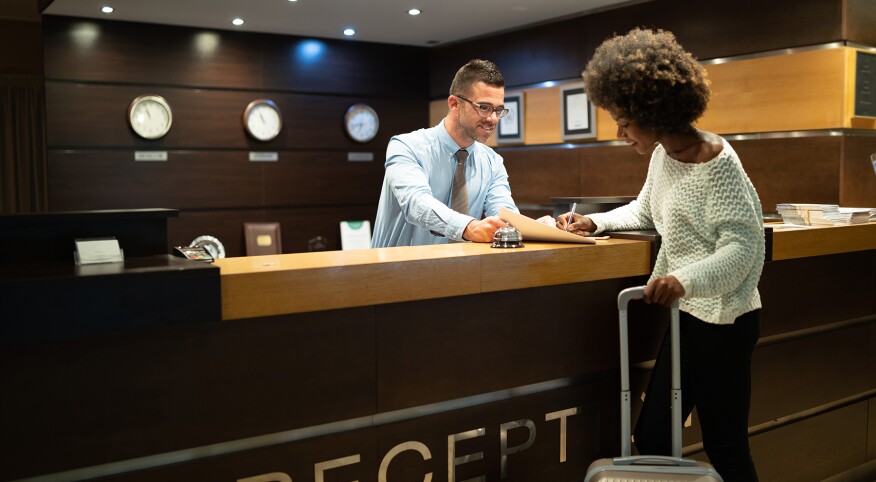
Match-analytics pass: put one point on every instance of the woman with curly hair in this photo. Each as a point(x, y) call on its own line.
point(707, 212)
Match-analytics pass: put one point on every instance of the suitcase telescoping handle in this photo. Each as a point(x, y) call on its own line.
point(623, 299)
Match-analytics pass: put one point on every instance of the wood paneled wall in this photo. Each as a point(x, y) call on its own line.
point(95, 69)
point(561, 50)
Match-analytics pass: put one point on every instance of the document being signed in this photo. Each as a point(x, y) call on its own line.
point(533, 230)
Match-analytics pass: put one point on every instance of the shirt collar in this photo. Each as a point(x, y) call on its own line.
point(449, 144)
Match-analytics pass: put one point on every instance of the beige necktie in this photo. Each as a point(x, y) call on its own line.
point(459, 198)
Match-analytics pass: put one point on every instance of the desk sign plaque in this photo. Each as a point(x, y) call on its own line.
point(97, 250)
point(865, 85)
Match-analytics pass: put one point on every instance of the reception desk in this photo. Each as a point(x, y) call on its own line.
point(452, 362)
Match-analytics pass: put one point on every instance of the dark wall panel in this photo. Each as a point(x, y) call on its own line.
point(561, 50)
point(92, 115)
point(21, 51)
point(805, 169)
point(149, 392)
point(135, 53)
point(95, 69)
point(858, 179)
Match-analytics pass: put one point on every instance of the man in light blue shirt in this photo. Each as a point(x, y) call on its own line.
point(419, 180)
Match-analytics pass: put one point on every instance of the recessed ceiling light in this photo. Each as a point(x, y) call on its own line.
point(349, 32)
point(414, 11)
point(237, 21)
point(107, 9)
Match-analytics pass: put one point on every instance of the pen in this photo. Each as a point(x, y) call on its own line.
point(571, 216)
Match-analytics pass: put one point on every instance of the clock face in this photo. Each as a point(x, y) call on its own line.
point(262, 119)
point(150, 116)
point(361, 122)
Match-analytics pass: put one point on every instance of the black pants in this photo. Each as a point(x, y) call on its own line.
point(716, 378)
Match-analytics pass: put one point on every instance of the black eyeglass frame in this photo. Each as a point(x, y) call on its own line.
point(482, 108)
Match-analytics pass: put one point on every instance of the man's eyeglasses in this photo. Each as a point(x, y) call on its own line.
point(486, 110)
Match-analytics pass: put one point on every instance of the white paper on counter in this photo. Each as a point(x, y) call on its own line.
point(533, 230)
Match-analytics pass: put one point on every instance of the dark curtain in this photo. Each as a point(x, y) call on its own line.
point(22, 145)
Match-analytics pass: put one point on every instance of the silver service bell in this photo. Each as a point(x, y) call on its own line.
point(507, 237)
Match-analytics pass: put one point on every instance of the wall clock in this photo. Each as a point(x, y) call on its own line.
point(361, 122)
point(211, 244)
point(262, 120)
point(150, 116)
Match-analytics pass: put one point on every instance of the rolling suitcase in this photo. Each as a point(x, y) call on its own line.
point(649, 467)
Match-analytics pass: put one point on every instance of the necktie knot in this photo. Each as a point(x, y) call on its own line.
point(461, 156)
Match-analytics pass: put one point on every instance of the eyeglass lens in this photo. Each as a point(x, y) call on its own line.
point(485, 110)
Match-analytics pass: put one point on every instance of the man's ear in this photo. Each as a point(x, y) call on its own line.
point(453, 102)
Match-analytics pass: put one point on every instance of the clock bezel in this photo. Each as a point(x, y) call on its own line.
point(353, 110)
point(150, 98)
point(257, 103)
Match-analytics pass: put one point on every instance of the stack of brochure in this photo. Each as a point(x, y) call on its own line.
point(823, 214)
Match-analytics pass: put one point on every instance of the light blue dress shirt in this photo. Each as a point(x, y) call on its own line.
point(415, 198)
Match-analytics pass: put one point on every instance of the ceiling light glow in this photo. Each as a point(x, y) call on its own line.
point(106, 9)
point(414, 11)
point(237, 21)
point(349, 32)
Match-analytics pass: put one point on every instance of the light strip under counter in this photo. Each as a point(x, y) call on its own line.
point(304, 282)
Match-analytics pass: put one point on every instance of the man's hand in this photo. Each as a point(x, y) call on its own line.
point(482, 231)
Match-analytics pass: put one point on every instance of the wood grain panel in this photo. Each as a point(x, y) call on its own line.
point(813, 449)
point(857, 178)
point(83, 180)
point(340, 66)
point(860, 16)
point(799, 170)
point(537, 174)
point(799, 91)
point(297, 225)
point(20, 47)
point(787, 289)
point(818, 241)
point(137, 53)
point(254, 287)
point(807, 372)
point(150, 392)
point(719, 29)
point(90, 115)
point(612, 171)
point(443, 349)
point(543, 116)
point(321, 178)
point(127, 52)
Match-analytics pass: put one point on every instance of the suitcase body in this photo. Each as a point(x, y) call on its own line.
point(655, 468)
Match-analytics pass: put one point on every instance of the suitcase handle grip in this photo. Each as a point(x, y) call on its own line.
point(655, 459)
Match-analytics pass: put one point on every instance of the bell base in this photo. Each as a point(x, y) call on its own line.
point(506, 244)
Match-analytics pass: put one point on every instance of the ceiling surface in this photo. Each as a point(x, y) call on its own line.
point(385, 21)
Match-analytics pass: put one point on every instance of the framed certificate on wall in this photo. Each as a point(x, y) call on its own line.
point(578, 113)
point(510, 129)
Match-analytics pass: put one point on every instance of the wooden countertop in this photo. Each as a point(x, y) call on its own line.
point(301, 282)
point(790, 243)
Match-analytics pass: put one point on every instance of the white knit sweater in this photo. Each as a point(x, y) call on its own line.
point(710, 222)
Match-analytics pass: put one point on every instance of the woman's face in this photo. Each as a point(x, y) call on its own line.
point(639, 138)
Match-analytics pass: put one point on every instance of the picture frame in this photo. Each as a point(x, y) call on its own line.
point(510, 128)
point(578, 114)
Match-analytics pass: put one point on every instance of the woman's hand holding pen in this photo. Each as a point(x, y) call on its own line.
point(580, 225)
